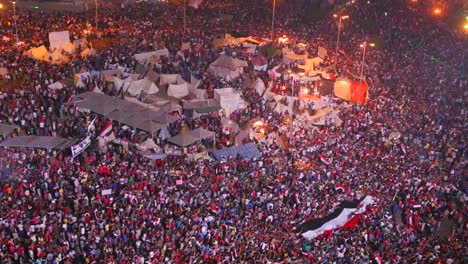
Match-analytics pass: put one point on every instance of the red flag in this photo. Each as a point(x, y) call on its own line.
point(352, 223)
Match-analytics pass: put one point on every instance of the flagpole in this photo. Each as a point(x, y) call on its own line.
point(273, 19)
point(96, 16)
point(185, 15)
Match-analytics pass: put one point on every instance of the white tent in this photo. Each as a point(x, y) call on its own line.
point(58, 58)
point(58, 39)
point(69, 48)
point(39, 53)
point(199, 93)
point(168, 79)
point(227, 67)
point(228, 98)
point(178, 90)
point(135, 88)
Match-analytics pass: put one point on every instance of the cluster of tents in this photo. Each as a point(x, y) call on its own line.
point(61, 49)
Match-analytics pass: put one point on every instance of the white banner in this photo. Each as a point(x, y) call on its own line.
point(77, 149)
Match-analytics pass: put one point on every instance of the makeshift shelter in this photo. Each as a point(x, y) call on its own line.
point(59, 39)
point(39, 53)
point(6, 130)
point(57, 57)
point(227, 67)
point(135, 88)
point(228, 98)
point(187, 138)
point(69, 48)
point(178, 90)
point(44, 142)
point(260, 62)
point(169, 79)
point(247, 151)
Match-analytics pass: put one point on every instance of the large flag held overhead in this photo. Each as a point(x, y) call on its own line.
point(345, 216)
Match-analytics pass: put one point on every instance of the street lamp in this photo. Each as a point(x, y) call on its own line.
point(364, 46)
point(1, 6)
point(340, 19)
point(273, 19)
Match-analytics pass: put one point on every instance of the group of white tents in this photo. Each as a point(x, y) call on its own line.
point(61, 49)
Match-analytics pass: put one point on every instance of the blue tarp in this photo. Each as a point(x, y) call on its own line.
point(247, 151)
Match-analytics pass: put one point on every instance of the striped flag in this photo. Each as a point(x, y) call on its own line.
point(325, 160)
point(346, 212)
point(106, 129)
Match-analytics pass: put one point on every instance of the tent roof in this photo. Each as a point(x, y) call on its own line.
point(6, 129)
point(247, 151)
point(46, 142)
point(228, 62)
point(189, 137)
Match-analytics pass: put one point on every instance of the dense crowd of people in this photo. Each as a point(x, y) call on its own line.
point(406, 147)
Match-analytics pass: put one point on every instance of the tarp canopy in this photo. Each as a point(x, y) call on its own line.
point(178, 90)
point(227, 98)
point(135, 88)
point(69, 48)
point(45, 142)
point(126, 112)
point(247, 151)
point(187, 138)
point(5, 129)
point(227, 67)
point(39, 53)
point(58, 58)
point(169, 79)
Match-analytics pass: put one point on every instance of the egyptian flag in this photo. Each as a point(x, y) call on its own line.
point(325, 160)
point(432, 165)
point(341, 188)
point(341, 217)
point(106, 129)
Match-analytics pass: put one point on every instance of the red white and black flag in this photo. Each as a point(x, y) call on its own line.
point(345, 216)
